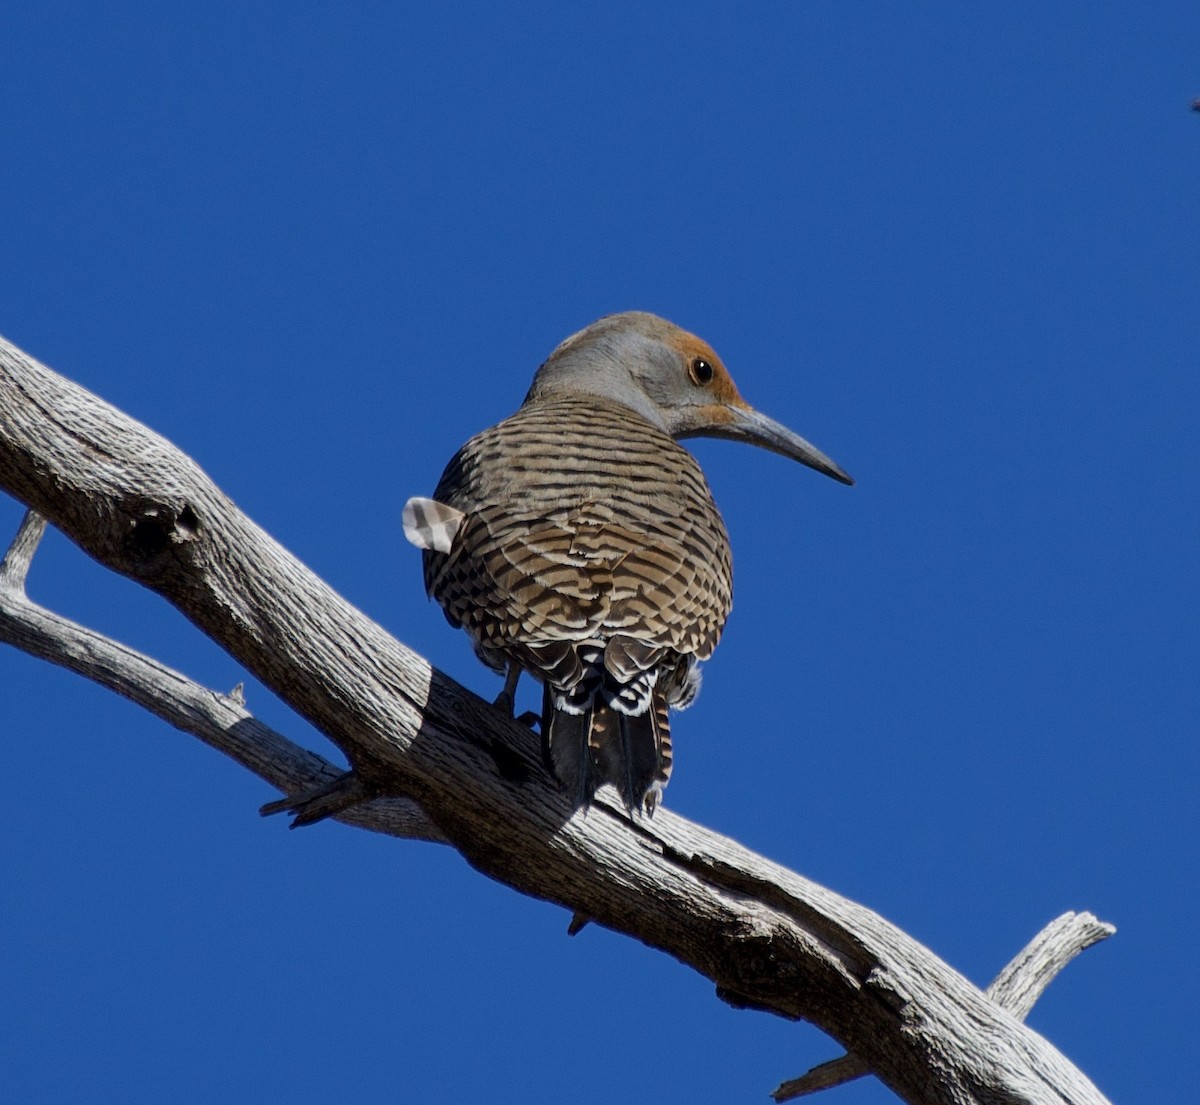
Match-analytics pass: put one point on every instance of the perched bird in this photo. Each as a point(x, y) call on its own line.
point(578, 542)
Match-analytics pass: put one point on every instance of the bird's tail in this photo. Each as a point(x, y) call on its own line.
point(606, 739)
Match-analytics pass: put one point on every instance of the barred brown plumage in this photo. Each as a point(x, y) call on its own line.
point(577, 541)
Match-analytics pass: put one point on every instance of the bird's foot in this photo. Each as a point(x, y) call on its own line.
point(506, 699)
point(504, 702)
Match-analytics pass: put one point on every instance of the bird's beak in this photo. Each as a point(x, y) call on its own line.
point(744, 423)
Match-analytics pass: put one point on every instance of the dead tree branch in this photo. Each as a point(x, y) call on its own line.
point(768, 938)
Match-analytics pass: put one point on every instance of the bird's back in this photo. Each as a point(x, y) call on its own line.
point(583, 521)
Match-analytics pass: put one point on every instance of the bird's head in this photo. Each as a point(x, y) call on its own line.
point(672, 379)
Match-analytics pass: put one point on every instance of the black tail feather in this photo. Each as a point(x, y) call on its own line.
point(604, 745)
point(638, 775)
point(565, 748)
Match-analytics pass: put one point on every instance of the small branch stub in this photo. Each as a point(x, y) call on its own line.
point(14, 568)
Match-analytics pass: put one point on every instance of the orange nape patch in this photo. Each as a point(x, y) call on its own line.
point(722, 388)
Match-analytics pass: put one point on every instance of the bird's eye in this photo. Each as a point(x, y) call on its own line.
point(700, 371)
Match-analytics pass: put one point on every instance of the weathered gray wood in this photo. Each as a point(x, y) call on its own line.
point(1035, 966)
point(1016, 989)
point(767, 937)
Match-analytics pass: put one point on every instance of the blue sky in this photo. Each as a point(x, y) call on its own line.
point(318, 246)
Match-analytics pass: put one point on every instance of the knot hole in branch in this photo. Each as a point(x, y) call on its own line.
point(158, 529)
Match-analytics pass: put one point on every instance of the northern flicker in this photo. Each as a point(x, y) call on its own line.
point(578, 542)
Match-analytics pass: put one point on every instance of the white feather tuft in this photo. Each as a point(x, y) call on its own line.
point(431, 525)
